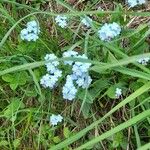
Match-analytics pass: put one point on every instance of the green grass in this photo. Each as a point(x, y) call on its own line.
point(95, 119)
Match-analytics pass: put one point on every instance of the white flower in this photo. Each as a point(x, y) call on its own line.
point(118, 92)
point(109, 31)
point(55, 119)
point(69, 90)
point(31, 32)
point(69, 53)
point(86, 21)
point(144, 61)
point(61, 21)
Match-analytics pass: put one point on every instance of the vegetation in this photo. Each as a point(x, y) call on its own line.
point(96, 119)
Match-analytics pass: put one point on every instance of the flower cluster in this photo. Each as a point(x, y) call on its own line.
point(109, 31)
point(79, 76)
point(30, 33)
point(80, 72)
point(144, 61)
point(61, 21)
point(118, 92)
point(69, 90)
point(49, 80)
point(55, 119)
point(69, 53)
point(86, 21)
point(133, 3)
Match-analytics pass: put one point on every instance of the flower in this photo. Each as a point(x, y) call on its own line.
point(80, 72)
point(69, 90)
point(49, 81)
point(54, 119)
point(84, 81)
point(144, 61)
point(61, 21)
point(69, 53)
point(50, 64)
point(142, 2)
point(86, 21)
point(109, 31)
point(118, 92)
point(30, 33)
point(133, 3)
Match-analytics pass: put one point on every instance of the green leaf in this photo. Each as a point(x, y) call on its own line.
point(66, 132)
point(111, 91)
point(4, 143)
point(7, 78)
point(115, 144)
point(93, 91)
point(16, 143)
point(86, 110)
point(16, 79)
point(13, 107)
point(56, 139)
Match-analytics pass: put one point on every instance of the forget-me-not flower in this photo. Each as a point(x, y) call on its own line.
point(133, 3)
point(69, 53)
point(30, 33)
point(69, 90)
point(141, 2)
point(61, 21)
point(51, 65)
point(55, 119)
point(50, 79)
point(86, 21)
point(109, 31)
point(144, 61)
point(118, 92)
point(80, 72)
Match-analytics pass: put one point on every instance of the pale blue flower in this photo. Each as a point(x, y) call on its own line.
point(86, 21)
point(58, 73)
point(141, 2)
point(80, 67)
point(24, 34)
point(49, 81)
point(69, 53)
point(118, 92)
point(84, 81)
point(144, 61)
point(69, 90)
point(80, 72)
point(31, 32)
point(50, 64)
point(61, 21)
point(55, 119)
point(109, 31)
point(133, 3)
